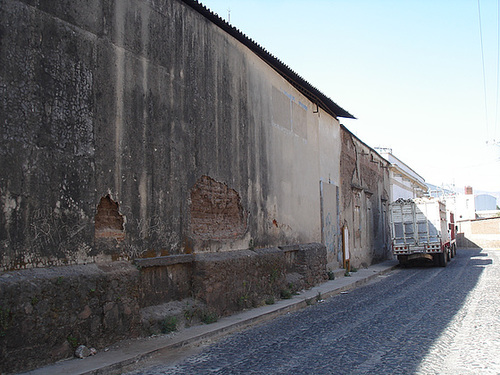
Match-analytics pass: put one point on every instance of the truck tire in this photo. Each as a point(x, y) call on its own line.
point(443, 259)
point(403, 260)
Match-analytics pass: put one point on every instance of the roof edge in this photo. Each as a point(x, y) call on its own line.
point(308, 90)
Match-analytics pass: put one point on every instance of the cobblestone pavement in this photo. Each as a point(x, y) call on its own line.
point(420, 320)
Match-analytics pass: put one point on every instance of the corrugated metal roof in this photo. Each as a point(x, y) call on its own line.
point(308, 90)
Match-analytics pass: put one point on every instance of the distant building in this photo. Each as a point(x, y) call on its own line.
point(486, 206)
point(485, 202)
point(404, 182)
point(466, 206)
point(463, 205)
point(476, 217)
point(480, 228)
point(439, 191)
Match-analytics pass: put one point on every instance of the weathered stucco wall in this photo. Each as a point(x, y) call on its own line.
point(115, 113)
point(365, 193)
point(138, 129)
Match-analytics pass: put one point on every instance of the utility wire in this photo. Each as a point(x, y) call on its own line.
point(498, 69)
point(484, 70)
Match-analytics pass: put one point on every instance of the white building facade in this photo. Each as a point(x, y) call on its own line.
point(405, 182)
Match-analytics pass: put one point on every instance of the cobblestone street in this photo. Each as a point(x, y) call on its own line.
point(420, 320)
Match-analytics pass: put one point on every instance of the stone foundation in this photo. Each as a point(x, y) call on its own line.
point(46, 313)
point(165, 279)
point(231, 281)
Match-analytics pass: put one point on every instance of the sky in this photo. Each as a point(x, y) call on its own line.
point(420, 76)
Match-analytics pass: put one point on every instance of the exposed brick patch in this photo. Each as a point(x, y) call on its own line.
point(216, 211)
point(108, 220)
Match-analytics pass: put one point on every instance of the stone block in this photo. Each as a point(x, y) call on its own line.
point(52, 310)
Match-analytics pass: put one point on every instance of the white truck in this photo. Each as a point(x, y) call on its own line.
point(420, 229)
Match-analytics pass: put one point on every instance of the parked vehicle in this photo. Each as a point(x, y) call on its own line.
point(420, 229)
point(452, 230)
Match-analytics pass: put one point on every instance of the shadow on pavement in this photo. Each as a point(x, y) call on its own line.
point(381, 328)
point(459, 278)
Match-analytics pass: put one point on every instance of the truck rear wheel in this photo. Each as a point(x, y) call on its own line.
point(403, 260)
point(443, 259)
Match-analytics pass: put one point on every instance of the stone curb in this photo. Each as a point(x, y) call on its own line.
point(128, 354)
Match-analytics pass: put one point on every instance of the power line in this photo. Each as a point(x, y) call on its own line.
point(484, 70)
point(498, 69)
point(495, 124)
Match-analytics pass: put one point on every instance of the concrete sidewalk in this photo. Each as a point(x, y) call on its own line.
point(124, 355)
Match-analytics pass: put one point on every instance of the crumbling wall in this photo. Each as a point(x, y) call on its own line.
point(165, 278)
point(216, 212)
point(46, 313)
point(143, 106)
point(47, 144)
point(140, 130)
point(365, 192)
point(234, 280)
point(309, 262)
point(108, 220)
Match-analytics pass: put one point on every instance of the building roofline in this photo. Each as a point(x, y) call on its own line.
point(342, 126)
point(308, 90)
point(400, 170)
point(398, 159)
